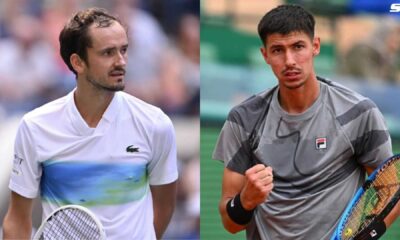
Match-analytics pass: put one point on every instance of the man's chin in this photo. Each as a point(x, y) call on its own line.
point(117, 89)
point(114, 88)
point(295, 86)
point(294, 82)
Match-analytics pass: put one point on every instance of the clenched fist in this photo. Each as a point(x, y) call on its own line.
point(257, 187)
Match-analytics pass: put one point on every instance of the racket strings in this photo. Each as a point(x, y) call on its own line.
point(386, 186)
point(71, 224)
point(374, 200)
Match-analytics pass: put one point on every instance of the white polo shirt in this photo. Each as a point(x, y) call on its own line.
point(108, 168)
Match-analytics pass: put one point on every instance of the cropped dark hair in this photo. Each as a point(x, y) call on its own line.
point(285, 19)
point(74, 38)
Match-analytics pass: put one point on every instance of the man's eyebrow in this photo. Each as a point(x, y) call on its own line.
point(299, 42)
point(277, 45)
point(108, 48)
point(113, 48)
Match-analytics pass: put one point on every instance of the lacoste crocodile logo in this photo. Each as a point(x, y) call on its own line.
point(132, 149)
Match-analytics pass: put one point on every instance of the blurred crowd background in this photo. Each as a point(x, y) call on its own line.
point(360, 48)
point(163, 69)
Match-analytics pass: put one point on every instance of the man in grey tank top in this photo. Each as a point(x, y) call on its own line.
point(295, 155)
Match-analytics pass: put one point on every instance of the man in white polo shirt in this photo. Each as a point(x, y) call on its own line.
point(96, 147)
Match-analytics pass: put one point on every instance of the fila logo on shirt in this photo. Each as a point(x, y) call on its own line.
point(320, 143)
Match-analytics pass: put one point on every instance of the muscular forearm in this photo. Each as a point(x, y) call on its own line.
point(13, 229)
point(392, 215)
point(164, 199)
point(229, 225)
point(162, 218)
point(254, 188)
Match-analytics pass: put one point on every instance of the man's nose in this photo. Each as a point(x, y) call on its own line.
point(289, 58)
point(121, 59)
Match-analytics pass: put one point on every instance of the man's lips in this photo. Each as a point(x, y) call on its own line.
point(291, 72)
point(116, 73)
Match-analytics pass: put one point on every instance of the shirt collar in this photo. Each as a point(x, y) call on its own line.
point(79, 123)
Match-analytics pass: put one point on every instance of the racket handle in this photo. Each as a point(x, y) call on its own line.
point(374, 231)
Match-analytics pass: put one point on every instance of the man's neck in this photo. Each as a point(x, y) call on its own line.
point(92, 105)
point(296, 101)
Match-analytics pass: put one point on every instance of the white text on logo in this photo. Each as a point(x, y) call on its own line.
point(395, 7)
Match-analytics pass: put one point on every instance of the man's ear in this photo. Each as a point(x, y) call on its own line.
point(316, 46)
point(77, 63)
point(264, 53)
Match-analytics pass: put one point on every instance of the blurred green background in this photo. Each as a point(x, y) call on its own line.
point(232, 69)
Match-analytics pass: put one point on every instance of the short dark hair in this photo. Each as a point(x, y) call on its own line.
point(74, 37)
point(285, 19)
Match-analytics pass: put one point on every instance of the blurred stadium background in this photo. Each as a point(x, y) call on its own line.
point(163, 69)
point(232, 69)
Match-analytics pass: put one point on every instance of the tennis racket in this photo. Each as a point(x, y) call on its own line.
point(71, 222)
point(363, 217)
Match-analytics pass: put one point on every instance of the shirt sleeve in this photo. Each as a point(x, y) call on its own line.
point(26, 171)
point(233, 146)
point(373, 144)
point(163, 166)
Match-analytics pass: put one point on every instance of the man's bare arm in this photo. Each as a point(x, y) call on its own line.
point(164, 200)
point(254, 188)
point(17, 223)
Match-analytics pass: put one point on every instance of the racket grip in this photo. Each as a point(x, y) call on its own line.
point(374, 231)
